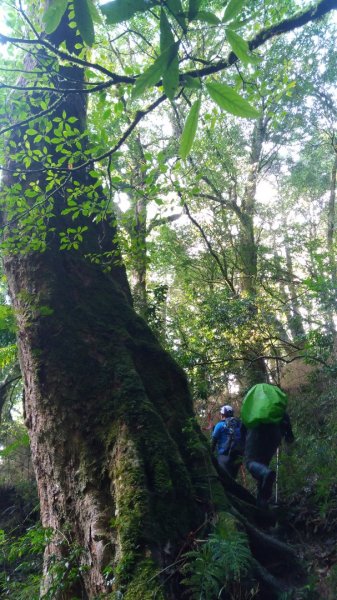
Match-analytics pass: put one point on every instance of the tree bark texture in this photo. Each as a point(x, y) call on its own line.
point(108, 414)
point(332, 259)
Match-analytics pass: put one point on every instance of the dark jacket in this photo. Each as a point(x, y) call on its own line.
point(262, 441)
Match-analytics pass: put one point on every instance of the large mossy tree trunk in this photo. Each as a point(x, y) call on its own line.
point(121, 467)
point(123, 472)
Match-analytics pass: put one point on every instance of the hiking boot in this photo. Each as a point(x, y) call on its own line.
point(265, 480)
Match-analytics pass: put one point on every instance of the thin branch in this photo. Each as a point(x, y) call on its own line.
point(283, 359)
point(9, 382)
point(69, 57)
point(163, 220)
point(26, 18)
point(64, 91)
point(139, 116)
point(40, 203)
point(223, 268)
point(220, 200)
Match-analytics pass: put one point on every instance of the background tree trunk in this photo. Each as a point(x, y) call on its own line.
point(256, 370)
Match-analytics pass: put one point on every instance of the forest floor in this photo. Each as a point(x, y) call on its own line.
point(310, 527)
point(313, 534)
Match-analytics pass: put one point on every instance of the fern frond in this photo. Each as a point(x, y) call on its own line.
point(222, 559)
point(236, 554)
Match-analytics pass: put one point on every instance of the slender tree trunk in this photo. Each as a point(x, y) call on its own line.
point(332, 219)
point(256, 370)
point(139, 251)
point(295, 320)
point(138, 233)
point(331, 252)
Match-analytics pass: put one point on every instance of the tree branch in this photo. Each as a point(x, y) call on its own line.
point(163, 220)
point(42, 113)
point(302, 18)
point(69, 57)
point(314, 13)
point(63, 91)
point(223, 268)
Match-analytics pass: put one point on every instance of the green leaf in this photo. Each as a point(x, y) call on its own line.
point(231, 101)
point(7, 355)
point(171, 74)
point(53, 15)
point(175, 7)
point(154, 72)
point(166, 35)
point(190, 130)
point(193, 8)
point(240, 47)
point(191, 82)
point(84, 21)
point(122, 10)
point(206, 17)
point(233, 8)
point(96, 17)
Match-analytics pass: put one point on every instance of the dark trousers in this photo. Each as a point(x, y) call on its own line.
point(230, 463)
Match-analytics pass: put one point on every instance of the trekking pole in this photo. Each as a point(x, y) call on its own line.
point(277, 467)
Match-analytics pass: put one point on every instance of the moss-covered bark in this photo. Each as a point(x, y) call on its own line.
point(122, 468)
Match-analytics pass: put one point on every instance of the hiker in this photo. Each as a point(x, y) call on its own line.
point(267, 424)
point(228, 439)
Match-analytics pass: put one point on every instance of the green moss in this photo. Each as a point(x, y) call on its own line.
point(132, 509)
point(144, 584)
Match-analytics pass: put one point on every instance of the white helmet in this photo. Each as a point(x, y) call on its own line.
point(227, 409)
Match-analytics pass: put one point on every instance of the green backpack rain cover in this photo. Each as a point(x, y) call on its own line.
point(263, 403)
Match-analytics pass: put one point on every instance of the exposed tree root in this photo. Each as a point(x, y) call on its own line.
point(276, 564)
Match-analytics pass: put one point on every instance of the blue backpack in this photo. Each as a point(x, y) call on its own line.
point(232, 426)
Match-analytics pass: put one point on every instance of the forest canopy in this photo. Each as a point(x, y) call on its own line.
point(168, 186)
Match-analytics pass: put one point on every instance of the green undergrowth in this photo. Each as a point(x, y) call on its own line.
point(221, 565)
point(308, 467)
point(307, 485)
point(144, 583)
point(21, 560)
point(21, 563)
